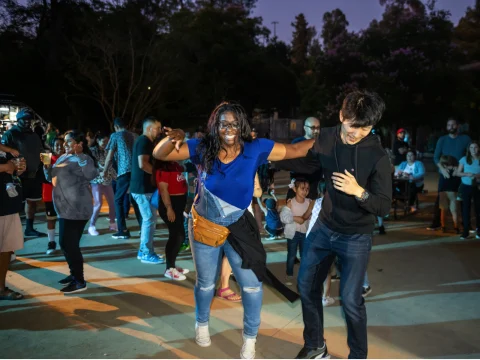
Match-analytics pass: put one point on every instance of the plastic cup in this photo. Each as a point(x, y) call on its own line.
point(46, 158)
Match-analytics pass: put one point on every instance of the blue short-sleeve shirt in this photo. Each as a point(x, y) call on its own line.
point(473, 168)
point(234, 182)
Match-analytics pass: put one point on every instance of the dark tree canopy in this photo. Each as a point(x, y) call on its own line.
point(83, 62)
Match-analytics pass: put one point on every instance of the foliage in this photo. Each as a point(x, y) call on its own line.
point(83, 62)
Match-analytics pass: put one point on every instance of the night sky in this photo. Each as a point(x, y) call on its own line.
point(359, 13)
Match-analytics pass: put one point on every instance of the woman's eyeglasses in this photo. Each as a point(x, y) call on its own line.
point(231, 126)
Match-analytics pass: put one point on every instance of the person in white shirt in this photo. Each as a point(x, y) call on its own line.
point(414, 170)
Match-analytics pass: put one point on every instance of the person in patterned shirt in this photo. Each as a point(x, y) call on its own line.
point(102, 184)
point(120, 146)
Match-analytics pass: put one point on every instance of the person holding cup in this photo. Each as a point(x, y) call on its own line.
point(47, 191)
point(11, 235)
point(72, 199)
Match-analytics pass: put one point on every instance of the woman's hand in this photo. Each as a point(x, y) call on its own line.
point(176, 136)
point(170, 213)
point(78, 149)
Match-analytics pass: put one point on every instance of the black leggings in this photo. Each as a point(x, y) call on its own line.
point(71, 232)
point(176, 232)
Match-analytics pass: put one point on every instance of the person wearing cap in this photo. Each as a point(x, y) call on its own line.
point(29, 144)
point(400, 147)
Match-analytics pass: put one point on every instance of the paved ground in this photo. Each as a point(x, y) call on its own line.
point(425, 302)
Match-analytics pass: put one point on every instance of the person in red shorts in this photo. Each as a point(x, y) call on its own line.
point(47, 189)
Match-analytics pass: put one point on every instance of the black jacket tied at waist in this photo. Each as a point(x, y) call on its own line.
point(245, 239)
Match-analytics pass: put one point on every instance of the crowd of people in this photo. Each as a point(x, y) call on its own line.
point(342, 182)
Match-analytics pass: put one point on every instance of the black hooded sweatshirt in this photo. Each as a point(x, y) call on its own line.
point(370, 165)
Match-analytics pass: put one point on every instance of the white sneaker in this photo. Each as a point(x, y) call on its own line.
point(327, 301)
point(289, 280)
point(93, 231)
point(248, 348)
point(174, 274)
point(202, 336)
point(182, 270)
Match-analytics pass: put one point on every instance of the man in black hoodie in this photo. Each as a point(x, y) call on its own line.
point(358, 188)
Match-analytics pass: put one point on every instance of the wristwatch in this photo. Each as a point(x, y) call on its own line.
point(364, 197)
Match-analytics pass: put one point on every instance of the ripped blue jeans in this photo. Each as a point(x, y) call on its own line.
point(207, 262)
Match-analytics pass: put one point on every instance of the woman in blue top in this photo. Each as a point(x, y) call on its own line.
point(228, 159)
point(413, 170)
point(469, 170)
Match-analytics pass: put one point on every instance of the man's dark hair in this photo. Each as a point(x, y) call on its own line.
point(120, 122)
point(149, 120)
point(362, 108)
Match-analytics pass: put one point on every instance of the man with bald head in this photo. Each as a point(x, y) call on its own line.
point(311, 127)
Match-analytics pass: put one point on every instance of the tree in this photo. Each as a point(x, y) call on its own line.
point(302, 39)
point(467, 34)
point(121, 63)
point(335, 26)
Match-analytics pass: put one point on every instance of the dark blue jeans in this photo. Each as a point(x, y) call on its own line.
point(320, 248)
point(470, 192)
point(292, 247)
point(121, 189)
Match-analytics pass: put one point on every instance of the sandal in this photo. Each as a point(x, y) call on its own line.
point(8, 294)
point(232, 296)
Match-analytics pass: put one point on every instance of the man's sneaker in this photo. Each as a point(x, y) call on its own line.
point(151, 259)
point(434, 227)
point(121, 235)
point(464, 236)
point(174, 274)
point(185, 247)
point(74, 287)
point(34, 233)
point(52, 245)
point(248, 348)
point(366, 290)
point(139, 255)
point(327, 301)
point(67, 280)
point(92, 230)
point(318, 353)
point(202, 336)
point(381, 230)
point(289, 280)
point(273, 237)
point(113, 226)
